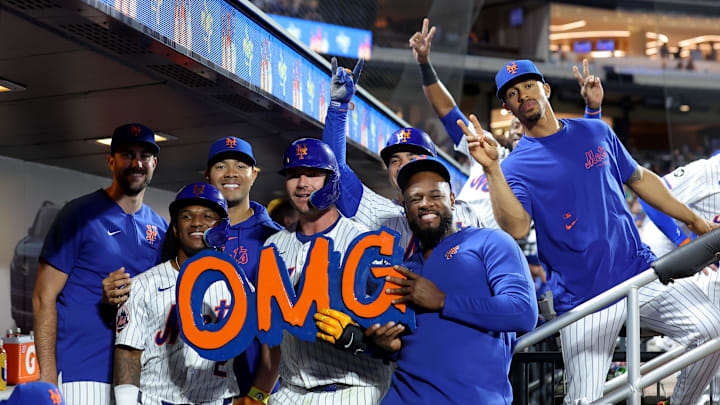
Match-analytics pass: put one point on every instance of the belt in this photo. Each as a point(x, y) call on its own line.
point(329, 387)
point(226, 401)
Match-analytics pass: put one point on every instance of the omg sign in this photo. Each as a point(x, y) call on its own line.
point(356, 286)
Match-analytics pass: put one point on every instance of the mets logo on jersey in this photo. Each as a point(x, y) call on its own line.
point(404, 135)
point(599, 158)
point(230, 142)
point(55, 396)
point(122, 319)
point(512, 68)
point(301, 151)
point(450, 253)
point(151, 234)
point(240, 254)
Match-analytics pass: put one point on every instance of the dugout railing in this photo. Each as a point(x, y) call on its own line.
point(680, 263)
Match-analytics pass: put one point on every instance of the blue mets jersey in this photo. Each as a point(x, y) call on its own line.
point(462, 354)
point(244, 242)
point(92, 237)
point(571, 184)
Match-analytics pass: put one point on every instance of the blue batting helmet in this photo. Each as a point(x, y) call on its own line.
point(310, 152)
point(208, 196)
point(408, 140)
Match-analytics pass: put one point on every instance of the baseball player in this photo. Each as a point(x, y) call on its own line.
point(232, 169)
point(315, 372)
point(698, 185)
point(356, 200)
point(36, 393)
point(567, 176)
point(92, 236)
point(475, 190)
point(455, 279)
point(152, 365)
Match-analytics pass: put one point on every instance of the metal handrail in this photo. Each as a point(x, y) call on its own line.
point(680, 263)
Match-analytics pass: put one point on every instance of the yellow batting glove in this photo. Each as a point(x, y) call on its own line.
point(331, 324)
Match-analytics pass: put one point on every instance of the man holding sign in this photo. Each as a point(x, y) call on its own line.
point(315, 372)
point(152, 365)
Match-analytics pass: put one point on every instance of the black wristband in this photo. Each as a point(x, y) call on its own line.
point(352, 340)
point(427, 74)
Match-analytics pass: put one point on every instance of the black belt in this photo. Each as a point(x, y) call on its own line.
point(329, 387)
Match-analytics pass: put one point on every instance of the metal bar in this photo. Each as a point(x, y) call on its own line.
point(633, 345)
point(663, 371)
point(584, 309)
point(617, 382)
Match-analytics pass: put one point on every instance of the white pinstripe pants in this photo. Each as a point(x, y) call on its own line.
point(86, 392)
point(681, 311)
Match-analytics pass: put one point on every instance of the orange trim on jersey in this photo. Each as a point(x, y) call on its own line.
point(685, 242)
point(385, 242)
point(205, 339)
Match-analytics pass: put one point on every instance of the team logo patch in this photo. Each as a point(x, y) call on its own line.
point(301, 151)
point(512, 68)
point(198, 190)
point(135, 129)
point(450, 253)
point(122, 319)
point(55, 396)
point(230, 142)
point(679, 172)
point(151, 234)
point(404, 135)
point(593, 158)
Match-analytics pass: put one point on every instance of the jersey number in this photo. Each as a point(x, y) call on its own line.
point(218, 371)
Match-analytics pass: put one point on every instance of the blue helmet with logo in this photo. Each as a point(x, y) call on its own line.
point(207, 196)
point(310, 152)
point(408, 140)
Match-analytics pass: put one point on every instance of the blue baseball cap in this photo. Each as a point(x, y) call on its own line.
point(133, 133)
point(514, 70)
point(230, 147)
point(421, 163)
point(36, 393)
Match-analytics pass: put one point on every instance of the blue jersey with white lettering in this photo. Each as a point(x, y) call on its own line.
point(571, 184)
point(244, 242)
point(92, 237)
point(462, 354)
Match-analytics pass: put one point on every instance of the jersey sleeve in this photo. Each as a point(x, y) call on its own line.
point(132, 324)
point(375, 210)
point(512, 307)
point(686, 182)
point(666, 224)
point(468, 216)
point(625, 162)
point(351, 188)
point(64, 240)
point(449, 121)
point(520, 190)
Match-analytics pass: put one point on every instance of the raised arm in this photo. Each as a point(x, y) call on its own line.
point(591, 91)
point(50, 282)
point(509, 212)
point(648, 186)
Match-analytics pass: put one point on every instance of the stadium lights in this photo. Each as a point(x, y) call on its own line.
point(590, 34)
point(697, 40)
point(568, 26)
point(684, 108)
point(656, 35)
point(159, 137)
point(7, 85)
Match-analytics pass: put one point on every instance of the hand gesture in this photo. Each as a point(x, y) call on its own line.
point(482, 148)
point(416, 289)
point(591, 89)
point(420, 42)
point(342, 84)
point(387, 336)
point(116, 287)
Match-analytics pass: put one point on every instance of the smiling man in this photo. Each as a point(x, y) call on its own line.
point(92, 236)
point(153, 366)
point(315, 373)
point(567, 175)
point(231, 168)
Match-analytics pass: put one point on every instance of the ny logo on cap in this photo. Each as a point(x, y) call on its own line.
point(135, 129)
point(512, 68)
point(230, 142)
point(301, 151)
point(198, 189)
point(404, 135)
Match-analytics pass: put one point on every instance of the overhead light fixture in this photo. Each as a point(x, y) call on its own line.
point(7, 85)
point(590, 34)
point(684, 108)
point(657, 35)
point(568, 26)
point(697, 40)
point(159, 137)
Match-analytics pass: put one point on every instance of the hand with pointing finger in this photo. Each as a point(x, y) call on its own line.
point(591, 89)
point(416, 289)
